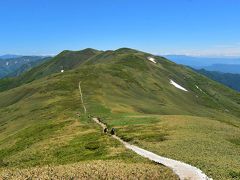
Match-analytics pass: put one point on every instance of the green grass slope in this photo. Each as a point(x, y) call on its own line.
point(39, 124)
point(66, 60)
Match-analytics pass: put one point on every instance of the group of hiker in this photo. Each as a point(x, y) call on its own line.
point(105, 130)
point(112, 132)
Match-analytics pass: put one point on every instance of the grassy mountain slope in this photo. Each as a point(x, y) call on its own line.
point(65, 60)
point(39, 122)
point(137, 84)
point(46, 115)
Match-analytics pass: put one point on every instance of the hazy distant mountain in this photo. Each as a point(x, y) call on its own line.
point(9, 56)
point(225, 68)
point(228, 79)
point(200, 62)
point(9, 66)
point(27, 66)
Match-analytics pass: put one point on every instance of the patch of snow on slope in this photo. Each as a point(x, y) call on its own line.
point(199, 88)
point(152, 59)
point(177, 85)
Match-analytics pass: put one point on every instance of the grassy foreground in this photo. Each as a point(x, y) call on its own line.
point(211, 145)
point(93, 170)
point(42, 136)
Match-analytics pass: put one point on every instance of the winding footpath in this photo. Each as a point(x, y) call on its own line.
point(183, 170)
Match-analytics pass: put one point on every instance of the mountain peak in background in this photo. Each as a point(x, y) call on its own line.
point(126, 50)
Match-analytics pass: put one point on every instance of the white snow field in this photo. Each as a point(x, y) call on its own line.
point(177, 85)
point(152, 59)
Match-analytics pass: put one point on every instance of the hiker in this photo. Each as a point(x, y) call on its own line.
point(112, 131)
point(105, 130)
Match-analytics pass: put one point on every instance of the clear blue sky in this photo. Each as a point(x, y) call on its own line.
point(206, 27)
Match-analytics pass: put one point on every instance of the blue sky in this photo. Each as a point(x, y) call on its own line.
point(46, 27)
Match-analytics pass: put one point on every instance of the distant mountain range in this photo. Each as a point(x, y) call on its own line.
point(225, 68)
point(228, 79)
point(9, 56)
point(221, 64)
point(17, 65)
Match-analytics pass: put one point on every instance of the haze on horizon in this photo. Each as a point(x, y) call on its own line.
point(189, 27)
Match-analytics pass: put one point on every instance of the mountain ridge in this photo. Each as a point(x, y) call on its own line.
point(42, 120)
point(9, 66)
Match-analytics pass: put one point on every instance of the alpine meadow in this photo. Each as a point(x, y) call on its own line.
point(43, 124)
point(120, 90)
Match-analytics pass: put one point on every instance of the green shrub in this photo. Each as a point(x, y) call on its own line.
point(235, 175)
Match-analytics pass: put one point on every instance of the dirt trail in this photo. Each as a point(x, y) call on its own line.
point(81, 95)
point(183, 170)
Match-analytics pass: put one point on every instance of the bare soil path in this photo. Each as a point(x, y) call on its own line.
point(81, 96)
point(183, 170)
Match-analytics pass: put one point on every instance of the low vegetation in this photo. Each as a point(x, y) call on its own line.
point(199, 141)
point(92, 170)
point(41, 130)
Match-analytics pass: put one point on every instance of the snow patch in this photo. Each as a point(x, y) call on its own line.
point(152, 59)
point(177, 85)
point(199, 88)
